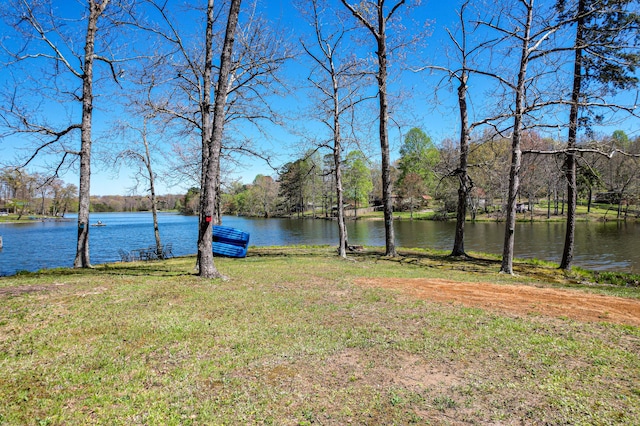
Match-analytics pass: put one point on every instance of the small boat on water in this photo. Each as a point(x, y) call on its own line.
point(99, 223)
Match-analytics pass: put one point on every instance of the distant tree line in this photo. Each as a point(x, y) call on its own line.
point(425, 176)
point(135, 203)
point(23, 194)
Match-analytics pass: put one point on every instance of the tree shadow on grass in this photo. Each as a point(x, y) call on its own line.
point(423, 258)
point(419, 257)
point(159, 268)
point(433, 259)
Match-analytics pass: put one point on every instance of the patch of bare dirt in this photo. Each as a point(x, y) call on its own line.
point(519, 299)
point(20, 290)
point(404, 370)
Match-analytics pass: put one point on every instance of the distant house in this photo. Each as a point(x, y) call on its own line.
point(427, 199)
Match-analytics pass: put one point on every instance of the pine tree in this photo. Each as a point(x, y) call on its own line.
point(605, 61)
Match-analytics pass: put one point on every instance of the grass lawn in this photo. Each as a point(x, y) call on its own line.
point(292, 339)
point(599, 212)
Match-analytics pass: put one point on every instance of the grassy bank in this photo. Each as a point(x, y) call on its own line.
point(598, 213)
point(291, 339)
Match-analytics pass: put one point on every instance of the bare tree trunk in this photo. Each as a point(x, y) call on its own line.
point(514, 184)
point(531, 205)
point(208, 198)
point(154, 212)
point(42, 200)
point(144, 162)
point(570, 160)
point(217, 217)
point(207, 130)
point(387, 195)
point(619, 208)
point(463, 176)
point(300, 208)
point(82, 249)
point(465, 183)
point(379, 31)
point(342, 76)
point(548, 203)
point(21, 211)
point(152, 190)
point(516, 152)
point(342, 227)
point(337, 163)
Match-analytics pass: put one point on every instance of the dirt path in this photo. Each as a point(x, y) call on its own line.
point(518, 299)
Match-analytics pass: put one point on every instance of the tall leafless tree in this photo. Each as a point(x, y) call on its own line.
point(516, 152)
point(213, 128)
point(259, 54)
point(375, 17)
point(337, 76)
point(465, 54)
point(139, 156)
point(49, 45)
point(530, 33)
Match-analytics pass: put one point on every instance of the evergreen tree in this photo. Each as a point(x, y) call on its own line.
point(358, 184)
point(605, 61)
point(418, 156)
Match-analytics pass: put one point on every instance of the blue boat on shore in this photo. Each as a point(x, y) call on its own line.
point(229, 242)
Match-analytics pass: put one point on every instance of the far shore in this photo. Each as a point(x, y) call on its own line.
point(539, 213)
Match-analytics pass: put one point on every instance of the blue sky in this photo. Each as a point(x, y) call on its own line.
point(417, 110)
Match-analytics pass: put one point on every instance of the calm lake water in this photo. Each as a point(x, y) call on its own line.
point(35, 245)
